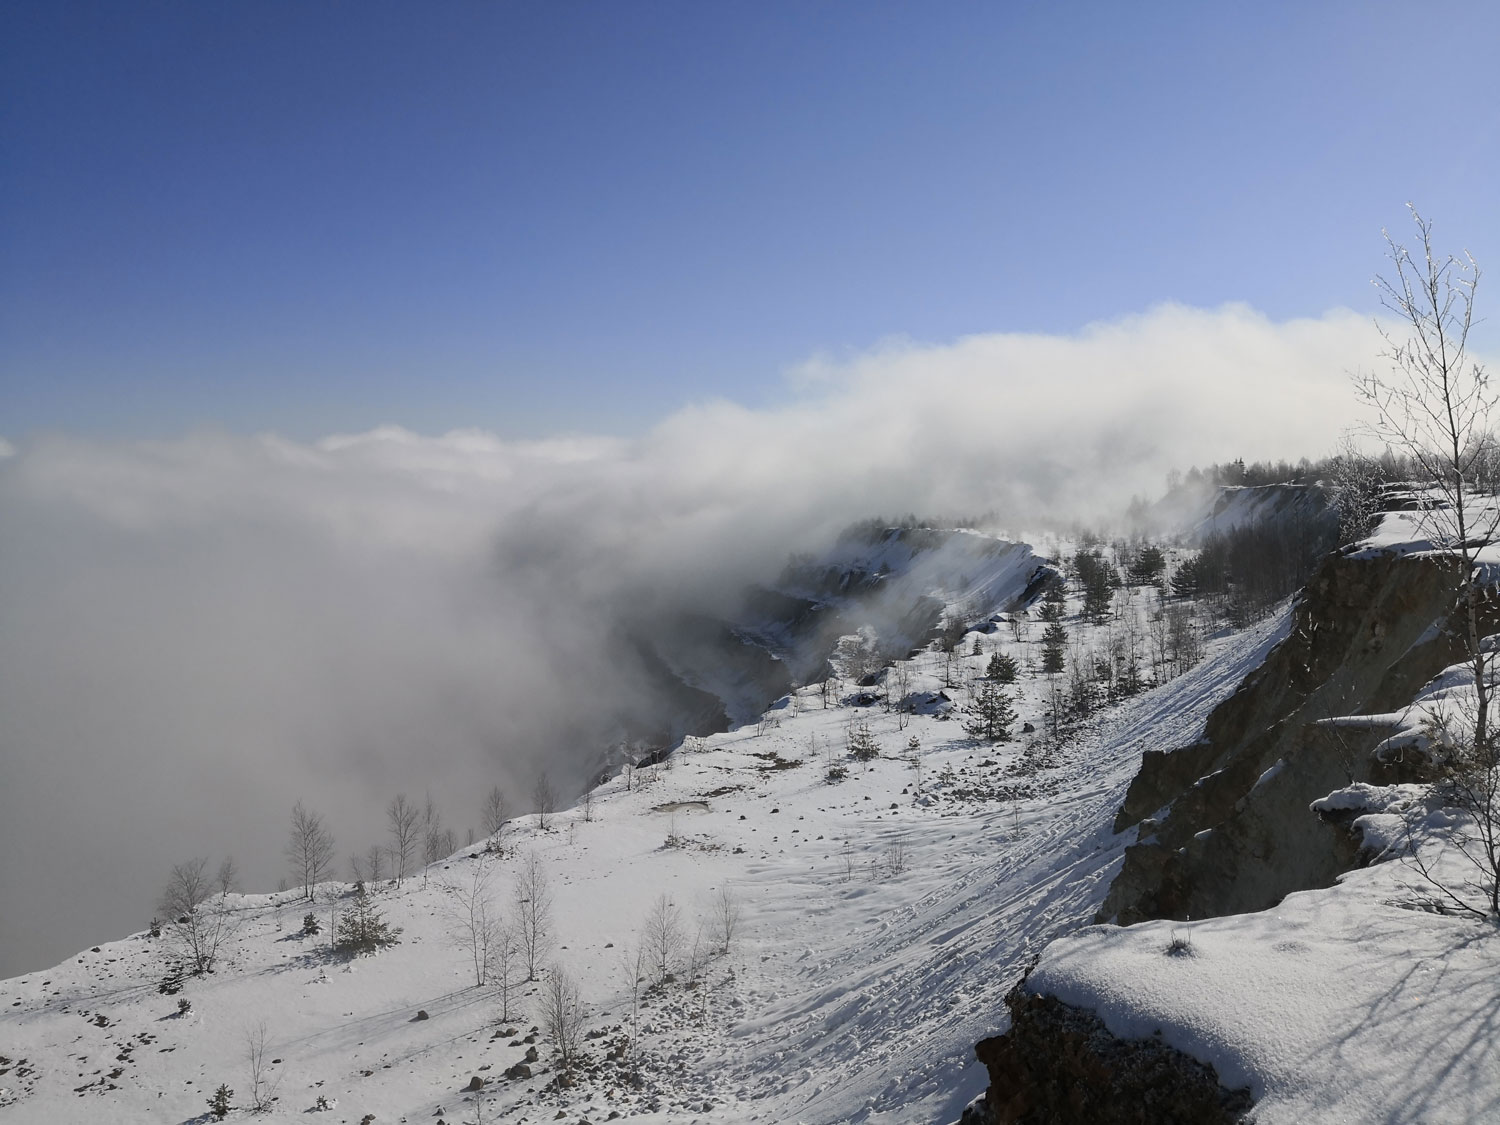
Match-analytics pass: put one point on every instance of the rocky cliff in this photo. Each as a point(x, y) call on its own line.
point(1224, 826)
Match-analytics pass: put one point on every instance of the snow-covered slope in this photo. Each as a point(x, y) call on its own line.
point(882, 919)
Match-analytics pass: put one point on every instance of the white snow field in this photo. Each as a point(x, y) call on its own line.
point(883, 917)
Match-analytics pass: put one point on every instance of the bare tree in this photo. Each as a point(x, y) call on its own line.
point(476, 922)
point(437, 842)
point(494, 814)
point(726, 918)
point(533, 899)
point(504, 969)
point(1433, 405)
point(229, 876)
point(561, 1015)
point(375, 863)
point(402, 817)
point(309, 849)
point(263, 1083)
point(633, 970)
point(543, 799)
point(187, 886)
point(662, 935)
point(198, 925)
point(898, 687)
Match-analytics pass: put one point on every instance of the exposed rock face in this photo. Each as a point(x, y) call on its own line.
point(1225, 827)
point(1059, 1066)
point(1224, 823)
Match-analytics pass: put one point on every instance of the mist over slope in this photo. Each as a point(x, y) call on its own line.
point(195, 633)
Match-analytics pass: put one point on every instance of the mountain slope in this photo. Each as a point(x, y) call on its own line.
point(884, 917)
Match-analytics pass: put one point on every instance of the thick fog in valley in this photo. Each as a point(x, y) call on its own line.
point(195, 633)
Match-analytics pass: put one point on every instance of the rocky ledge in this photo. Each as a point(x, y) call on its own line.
point(1059, 1065)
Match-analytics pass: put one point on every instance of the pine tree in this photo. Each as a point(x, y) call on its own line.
point(1054, 601)
point(1002, 668)
point(862, 744)
point(1099, 579)
point(1188, 579)
point(219, 1104)
point(1148, 566)
point(363, 929)
point(992, 716)
point(1054, 641)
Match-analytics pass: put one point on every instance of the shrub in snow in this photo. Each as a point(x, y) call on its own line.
point(310, 924)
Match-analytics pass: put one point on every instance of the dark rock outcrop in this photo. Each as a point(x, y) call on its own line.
point(1059, 1065)
point(1224, 823)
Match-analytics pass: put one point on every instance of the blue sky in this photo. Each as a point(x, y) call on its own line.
point(532, 218)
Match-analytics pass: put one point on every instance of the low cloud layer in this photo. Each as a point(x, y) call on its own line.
point(195, 634)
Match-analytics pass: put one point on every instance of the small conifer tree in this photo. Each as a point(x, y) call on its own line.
point(219, 1105)
point(1053, 642)
point(363, 929)
point(862, 744)
point(992, 715)
point(1002, 668)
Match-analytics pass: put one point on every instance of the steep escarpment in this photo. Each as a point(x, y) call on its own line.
point(1224, 825)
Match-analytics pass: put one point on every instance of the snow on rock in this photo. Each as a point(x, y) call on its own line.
point(1355, 1004)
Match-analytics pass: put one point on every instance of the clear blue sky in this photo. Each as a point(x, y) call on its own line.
point(535, 217)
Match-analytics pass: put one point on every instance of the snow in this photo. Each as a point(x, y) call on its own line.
point(1355, 1004)
point(884, 918)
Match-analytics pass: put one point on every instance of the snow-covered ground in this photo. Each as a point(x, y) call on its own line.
point(1360, 1004)
point(883, 917)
